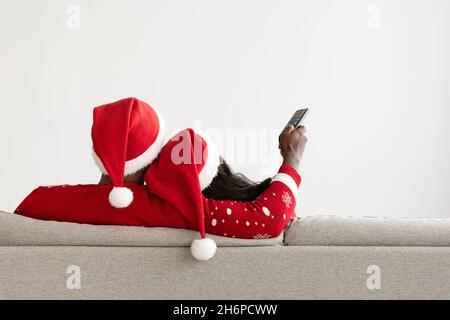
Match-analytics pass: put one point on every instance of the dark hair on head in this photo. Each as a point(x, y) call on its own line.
point(228, 185)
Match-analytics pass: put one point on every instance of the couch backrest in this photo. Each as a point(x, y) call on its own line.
point(368, 231)
point(17, 230)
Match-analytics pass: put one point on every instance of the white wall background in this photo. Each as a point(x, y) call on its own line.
point(376, 75)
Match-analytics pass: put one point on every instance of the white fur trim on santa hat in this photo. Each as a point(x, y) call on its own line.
point(210, 169)
point(120, 197)
point(140, 162)
point(203, 249)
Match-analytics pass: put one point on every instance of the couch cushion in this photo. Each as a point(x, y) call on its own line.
point(368, 231)
point(17, 230)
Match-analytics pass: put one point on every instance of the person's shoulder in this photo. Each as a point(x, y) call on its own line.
point(70, 189)
point(68, 186)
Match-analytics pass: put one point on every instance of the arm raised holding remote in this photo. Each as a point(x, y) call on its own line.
point(292, 144)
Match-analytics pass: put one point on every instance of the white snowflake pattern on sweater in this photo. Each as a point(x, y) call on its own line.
point(286, 198)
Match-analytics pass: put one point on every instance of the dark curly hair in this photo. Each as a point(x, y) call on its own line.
point(228, 185)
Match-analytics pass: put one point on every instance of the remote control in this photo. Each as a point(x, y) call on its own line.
point(298, 117)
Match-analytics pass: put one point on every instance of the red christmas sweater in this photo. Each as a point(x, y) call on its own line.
point(164, 205)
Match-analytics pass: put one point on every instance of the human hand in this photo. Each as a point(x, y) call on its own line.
point(292, 142)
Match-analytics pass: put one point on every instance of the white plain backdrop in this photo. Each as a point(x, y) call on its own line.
point(375, 74)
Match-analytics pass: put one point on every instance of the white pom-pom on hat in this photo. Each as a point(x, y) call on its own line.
point(203, 249)
point(120, 197)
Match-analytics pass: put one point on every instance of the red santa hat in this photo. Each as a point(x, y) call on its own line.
point(207, 163)
point(187, 164)
point(127, 136)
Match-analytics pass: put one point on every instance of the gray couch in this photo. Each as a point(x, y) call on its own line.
point(318, 257)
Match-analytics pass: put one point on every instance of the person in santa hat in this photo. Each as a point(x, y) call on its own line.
point(183, 183)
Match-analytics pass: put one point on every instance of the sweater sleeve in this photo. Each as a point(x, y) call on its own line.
point(265, 217)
